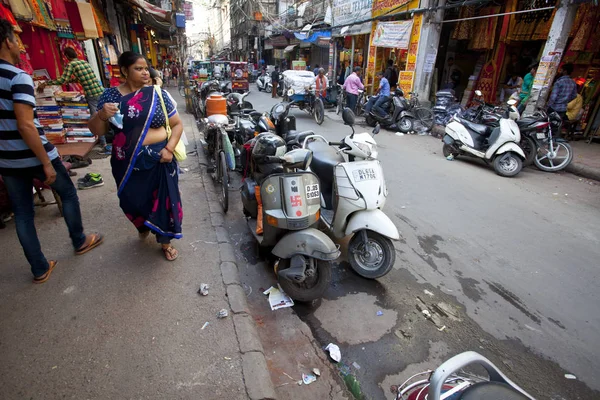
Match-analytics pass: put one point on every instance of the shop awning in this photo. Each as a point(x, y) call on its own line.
point(152, 9)
point(289, 48)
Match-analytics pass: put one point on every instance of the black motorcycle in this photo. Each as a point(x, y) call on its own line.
point(397, 111)
point(285, 126)
point(446, 105)
point(236, 102)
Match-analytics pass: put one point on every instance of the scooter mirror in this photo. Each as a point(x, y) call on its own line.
point(377, 129)
point(478, 93)
point(348, 117)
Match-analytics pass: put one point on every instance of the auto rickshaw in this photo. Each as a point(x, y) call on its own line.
point(202, 69)
point(239, 77)
point(220, 69)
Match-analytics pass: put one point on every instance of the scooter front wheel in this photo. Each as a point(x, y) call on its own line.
point(371, 258)
point(312, 287)
point(508, 164)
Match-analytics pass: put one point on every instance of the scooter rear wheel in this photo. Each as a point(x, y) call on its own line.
point(313, 287)
point(372, 259)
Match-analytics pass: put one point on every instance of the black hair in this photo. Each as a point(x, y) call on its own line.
point(357, 69)
point(7, 31)
point(277, 67)
point(390, 62)
point(317, 66)
point(153, 73)
point(450, 58)
point(534, 66)
point(379, 73)
point(70, 53)
point(568, 68)
point(127, 59)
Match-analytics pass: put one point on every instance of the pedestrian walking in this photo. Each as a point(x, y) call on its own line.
point(142, 155)
point(275, 82)
point(321, 83)
point(175, 73)
point(563, 91)
point(352, 86)
point(167, 75)
point(25, 154)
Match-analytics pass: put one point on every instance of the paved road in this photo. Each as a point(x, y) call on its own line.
point(515, 260)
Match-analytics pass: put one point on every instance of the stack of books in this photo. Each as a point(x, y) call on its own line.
point(49, 114)
point(75, 114)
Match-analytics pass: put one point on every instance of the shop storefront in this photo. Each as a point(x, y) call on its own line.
point(351, 40)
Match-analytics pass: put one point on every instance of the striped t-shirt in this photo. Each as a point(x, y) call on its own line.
point(16, 86)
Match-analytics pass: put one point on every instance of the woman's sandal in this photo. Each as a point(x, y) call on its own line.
point(95, 240)
point(170, 253)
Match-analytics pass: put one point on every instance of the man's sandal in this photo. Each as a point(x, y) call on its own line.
point(92, 241)
point(43, 278)
point(170, 253)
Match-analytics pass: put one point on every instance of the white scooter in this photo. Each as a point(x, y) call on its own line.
point(353, 193)
point(263, 82)
point(499, 145)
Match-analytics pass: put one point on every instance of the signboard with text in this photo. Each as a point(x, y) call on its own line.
point(346, 12)
point(394, 34)
point(405, 80)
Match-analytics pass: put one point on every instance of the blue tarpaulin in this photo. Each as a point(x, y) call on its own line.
point(312, 38)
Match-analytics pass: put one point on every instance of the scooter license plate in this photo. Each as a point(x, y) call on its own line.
point(540, 135)
point(364, 174)
point(312, 191)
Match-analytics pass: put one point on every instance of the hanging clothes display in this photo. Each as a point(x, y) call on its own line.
point(464, 30)
point(61, 19)
point(485, 30)
point(42, 49)
point(7, 15)
point(101, 18)
point(21, 9)
point(75, 19)
point(87, 18)
point(74, 44)
point(97, 22)
point(589, 21)
point(41, 16)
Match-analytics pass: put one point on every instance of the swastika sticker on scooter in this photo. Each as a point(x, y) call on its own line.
point(296, 201)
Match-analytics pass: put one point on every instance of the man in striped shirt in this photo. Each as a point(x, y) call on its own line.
point(25, 154)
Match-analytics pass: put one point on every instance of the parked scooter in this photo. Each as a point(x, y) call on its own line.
point(263, 82)
point(499, 145)
point(236, 102)
point(449, 381)
point(397, 115)
point(281, 202)
point(446, 106)
point(353, 193)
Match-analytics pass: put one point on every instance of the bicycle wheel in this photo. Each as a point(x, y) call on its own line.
point(425, 117)
point(182, 90)
point(340, 104)
point(223, 179)
point(319, 111)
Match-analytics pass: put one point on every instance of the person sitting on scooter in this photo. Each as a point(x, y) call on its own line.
point(383, 93)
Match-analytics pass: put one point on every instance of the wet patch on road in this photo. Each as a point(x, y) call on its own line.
point(406, 221)
point(470, 288)
point(513, 300)
point(429, 244)
point(557, 323)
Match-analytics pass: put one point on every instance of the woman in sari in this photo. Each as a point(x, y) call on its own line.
point(142, 159)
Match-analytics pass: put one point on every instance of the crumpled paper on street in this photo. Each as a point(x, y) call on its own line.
point(278, 298)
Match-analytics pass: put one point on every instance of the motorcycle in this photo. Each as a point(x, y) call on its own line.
point(225, 86)
point(206, 89)
point(398, 115)
point(246, 125)
point(281, 203)
point(285, 126)
point(236, 102)
point(499, 145)
point(353, 193)
point(263, 82)
point(448, 381)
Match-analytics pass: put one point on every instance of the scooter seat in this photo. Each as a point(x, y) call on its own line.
point(491, 391)
point(324, 160)
point(296, 137)
point(526, 122)
point(477, 128)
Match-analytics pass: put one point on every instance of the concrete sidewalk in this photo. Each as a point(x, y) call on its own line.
point(121, 321)
point(586, 159)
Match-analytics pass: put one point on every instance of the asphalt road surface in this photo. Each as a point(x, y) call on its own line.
point(512, 262)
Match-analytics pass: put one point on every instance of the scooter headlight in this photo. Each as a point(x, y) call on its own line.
point(291, 92)
point(365, 148)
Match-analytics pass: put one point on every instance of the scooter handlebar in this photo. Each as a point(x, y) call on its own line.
point(273, 159)
point(335, 143)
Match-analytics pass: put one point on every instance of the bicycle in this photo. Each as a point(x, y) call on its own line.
point(219, 148)
point(424, 116)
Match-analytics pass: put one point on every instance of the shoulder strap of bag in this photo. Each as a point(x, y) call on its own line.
point(164, 108)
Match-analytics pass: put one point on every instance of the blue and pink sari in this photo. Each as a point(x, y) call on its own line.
point(148, 190)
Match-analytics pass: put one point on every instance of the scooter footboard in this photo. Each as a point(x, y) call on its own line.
point(510, 146)
point(309, 242)
point(374, 220)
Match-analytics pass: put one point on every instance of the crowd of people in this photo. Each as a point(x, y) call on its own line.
point(146, 129)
